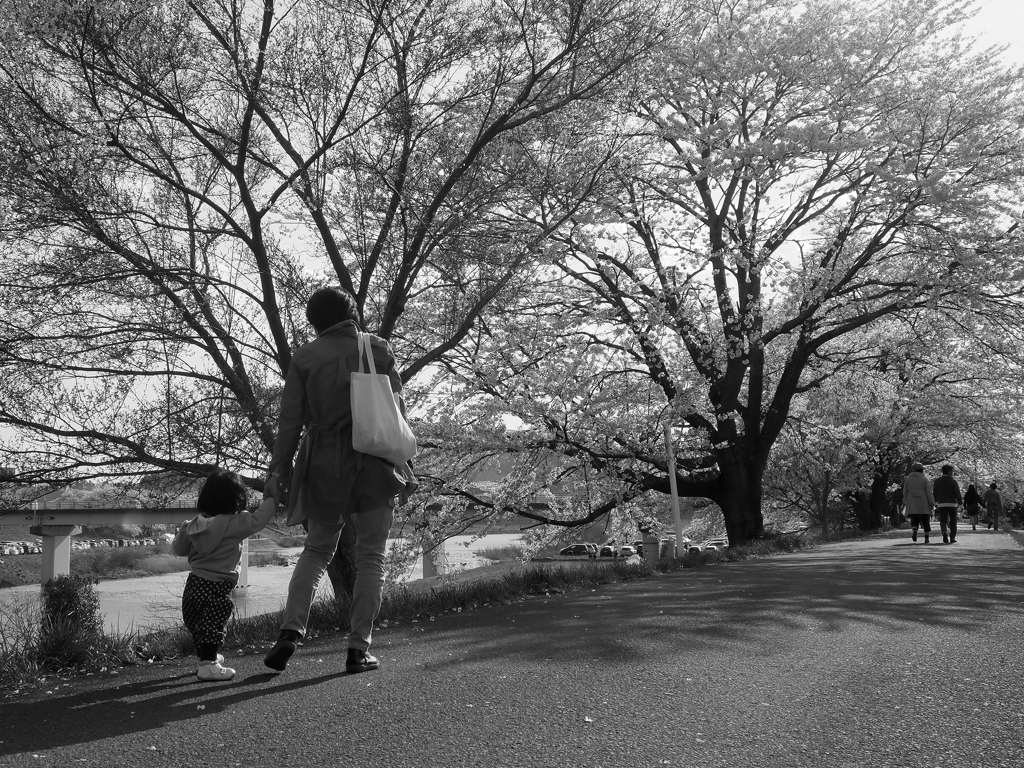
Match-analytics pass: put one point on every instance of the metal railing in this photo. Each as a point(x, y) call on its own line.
point(99, 505)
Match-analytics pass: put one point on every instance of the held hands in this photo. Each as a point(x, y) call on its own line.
point(277, 487)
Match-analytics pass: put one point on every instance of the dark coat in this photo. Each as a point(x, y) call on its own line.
point(946, 491)
point(330, 476)
point(972, 500)
point(993, 501)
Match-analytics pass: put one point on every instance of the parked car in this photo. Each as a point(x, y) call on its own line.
point(575, 550)
point(638, 545)
point(627, 551)
point(606, 551)
point(688, 544)
point(715, 544)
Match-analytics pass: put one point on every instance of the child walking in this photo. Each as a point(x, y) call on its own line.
point(212, 541)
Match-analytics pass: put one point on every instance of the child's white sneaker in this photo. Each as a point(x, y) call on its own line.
point(213, 670)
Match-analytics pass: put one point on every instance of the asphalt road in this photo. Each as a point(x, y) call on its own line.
point(876, 653)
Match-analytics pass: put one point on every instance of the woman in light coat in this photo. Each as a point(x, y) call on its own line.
point(917, 495)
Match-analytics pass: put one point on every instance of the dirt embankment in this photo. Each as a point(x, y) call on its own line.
point(16, 570)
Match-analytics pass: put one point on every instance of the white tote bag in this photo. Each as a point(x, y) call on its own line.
point(378, 427)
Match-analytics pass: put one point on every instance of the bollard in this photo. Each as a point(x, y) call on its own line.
point(652, 550)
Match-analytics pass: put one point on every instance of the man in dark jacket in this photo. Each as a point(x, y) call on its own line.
point(948, 500)
point(993, 506)
point(332, 484)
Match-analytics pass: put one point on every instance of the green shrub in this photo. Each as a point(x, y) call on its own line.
point(71, 625)
point(123, 562)
point(73, 597)
point(163, 563)
point(508, 553)
point(256, 559)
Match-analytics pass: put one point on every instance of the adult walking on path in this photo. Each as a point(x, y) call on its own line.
point(948, 500)
point(993, 506)
point(917, 495)
point(333, 485)
point(972, 503)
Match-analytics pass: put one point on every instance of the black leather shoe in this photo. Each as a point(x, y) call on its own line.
point(913, 535)
point(283, 649)
point(945, 539)
point(360, 661)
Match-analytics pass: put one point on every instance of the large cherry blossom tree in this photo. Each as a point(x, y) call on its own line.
point(801, 172)
point(179, 174)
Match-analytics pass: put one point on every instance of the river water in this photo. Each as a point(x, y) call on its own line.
point(154, 602)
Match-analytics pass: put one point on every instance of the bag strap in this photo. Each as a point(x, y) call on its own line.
point(364, 348)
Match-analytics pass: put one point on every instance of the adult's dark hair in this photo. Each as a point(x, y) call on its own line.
point(223, 493)
point(993, 486)
point(330, 306)
point(947, 469)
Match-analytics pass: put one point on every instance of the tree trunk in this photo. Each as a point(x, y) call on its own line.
point(871, 506)
point(342, 569)
point(740, 495)
point(861, 500)
point(880, 502)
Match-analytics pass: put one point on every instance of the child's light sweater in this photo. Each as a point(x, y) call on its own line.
point(213, 544)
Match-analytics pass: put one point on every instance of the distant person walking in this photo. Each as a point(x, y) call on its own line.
point(972, 504)
point(993, 506)
point(948, 500)
point(212, 542)
point(917, 495)
point(334, 485)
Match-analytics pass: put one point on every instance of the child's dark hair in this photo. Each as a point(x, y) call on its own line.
point(223, 493)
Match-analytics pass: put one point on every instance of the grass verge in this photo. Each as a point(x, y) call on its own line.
point(505, 554)
point(125, 562)
point(24, 666)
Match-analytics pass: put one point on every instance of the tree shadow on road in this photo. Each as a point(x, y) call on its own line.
point(134, 708)
point(890, 588)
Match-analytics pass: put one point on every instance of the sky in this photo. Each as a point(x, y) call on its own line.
point(1001, 22)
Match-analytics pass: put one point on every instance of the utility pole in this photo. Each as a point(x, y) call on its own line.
point(670, 448)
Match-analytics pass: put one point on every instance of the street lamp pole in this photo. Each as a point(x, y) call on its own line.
point(670, 449)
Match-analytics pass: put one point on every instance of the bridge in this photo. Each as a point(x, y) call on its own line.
point(55, 522)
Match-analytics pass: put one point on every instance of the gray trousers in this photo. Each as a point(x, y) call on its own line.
point(372, 528)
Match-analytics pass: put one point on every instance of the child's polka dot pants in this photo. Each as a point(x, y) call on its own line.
point(206, 607)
